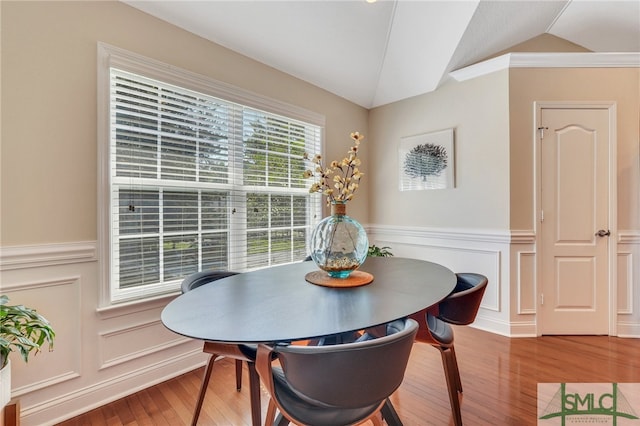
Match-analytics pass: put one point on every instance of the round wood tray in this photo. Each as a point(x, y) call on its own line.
point(355, 279)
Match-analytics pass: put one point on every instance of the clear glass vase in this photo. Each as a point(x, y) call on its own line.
point(339, 243)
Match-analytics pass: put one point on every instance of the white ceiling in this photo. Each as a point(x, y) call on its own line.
point(374, 54)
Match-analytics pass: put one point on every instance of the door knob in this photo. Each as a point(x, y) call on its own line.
point(603, 233)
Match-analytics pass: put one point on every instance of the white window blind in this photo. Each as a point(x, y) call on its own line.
point(198, 182)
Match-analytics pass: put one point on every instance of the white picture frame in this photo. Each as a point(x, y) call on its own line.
point(426, 161)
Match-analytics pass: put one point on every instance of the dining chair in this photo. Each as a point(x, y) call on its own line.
point(460, 307)
point(240, 353)
point(335, 384)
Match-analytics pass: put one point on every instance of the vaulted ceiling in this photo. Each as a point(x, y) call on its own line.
point(376, 53)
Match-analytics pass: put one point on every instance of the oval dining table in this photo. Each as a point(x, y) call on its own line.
point(277, 304)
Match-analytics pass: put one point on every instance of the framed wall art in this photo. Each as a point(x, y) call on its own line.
point(426, 161)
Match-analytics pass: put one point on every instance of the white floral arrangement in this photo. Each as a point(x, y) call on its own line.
point(340, 179)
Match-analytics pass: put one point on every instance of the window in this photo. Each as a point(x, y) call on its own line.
point(198, 181)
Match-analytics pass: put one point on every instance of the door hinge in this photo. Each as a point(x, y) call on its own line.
point(541, 130)
point(542, 298)
point(541, 216)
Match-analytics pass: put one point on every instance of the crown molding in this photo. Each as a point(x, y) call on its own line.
point(548, 60)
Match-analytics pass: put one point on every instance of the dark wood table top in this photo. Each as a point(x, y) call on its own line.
point(277, 304)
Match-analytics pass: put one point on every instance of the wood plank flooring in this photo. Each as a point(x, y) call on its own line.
point(499, 378)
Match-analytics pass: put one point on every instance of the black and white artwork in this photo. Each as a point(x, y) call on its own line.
point(426, 161)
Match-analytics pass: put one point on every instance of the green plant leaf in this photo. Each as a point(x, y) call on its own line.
point(375, 251)
point(22, 329)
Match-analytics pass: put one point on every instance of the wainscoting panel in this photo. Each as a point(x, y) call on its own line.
point(523, 282)
point(625, 283)
point(486, 262)
point(128, 344)
point(99, 354)
point(628, 283)
point(526, 273)
point(48, 368)
point(509, 260)
point(469, 251)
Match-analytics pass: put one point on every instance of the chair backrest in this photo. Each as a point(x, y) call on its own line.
point(201, 278)
point(461, 306)
point(350, 375)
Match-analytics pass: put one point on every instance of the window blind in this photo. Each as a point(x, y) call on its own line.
point(197, 182)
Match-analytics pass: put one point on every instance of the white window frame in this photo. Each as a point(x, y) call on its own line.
point(113, 57)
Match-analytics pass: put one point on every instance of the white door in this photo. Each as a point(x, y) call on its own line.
point(574, 217)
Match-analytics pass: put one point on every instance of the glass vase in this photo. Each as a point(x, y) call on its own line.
point(339, 243)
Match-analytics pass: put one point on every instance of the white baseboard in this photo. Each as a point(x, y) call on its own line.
point(626, 329)
point(525, 329)
point(491, 326)
point(82, 400)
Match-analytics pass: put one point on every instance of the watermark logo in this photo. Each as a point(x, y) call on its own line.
point(588, 403)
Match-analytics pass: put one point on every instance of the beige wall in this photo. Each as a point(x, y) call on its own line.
point(478, 110)
point(48, 194)
point(49, 131)
point(621, 85)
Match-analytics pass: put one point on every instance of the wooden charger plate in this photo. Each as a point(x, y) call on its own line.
point(355, 279)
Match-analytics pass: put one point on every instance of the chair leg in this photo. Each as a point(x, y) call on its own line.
point(454, 361)
point(389, 413)
point(254, 394)
point(238, 375)
point(449, 373)
point(203, 388)
point(281, 420)
point(271, 413)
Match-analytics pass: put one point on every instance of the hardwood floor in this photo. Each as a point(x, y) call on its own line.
point(499, 378)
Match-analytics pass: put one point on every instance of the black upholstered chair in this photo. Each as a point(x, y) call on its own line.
point(459, 308)
point(240, 353)
point(336, 384)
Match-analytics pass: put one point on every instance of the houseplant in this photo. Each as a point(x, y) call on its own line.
point(375, 251)
point(24, 330)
